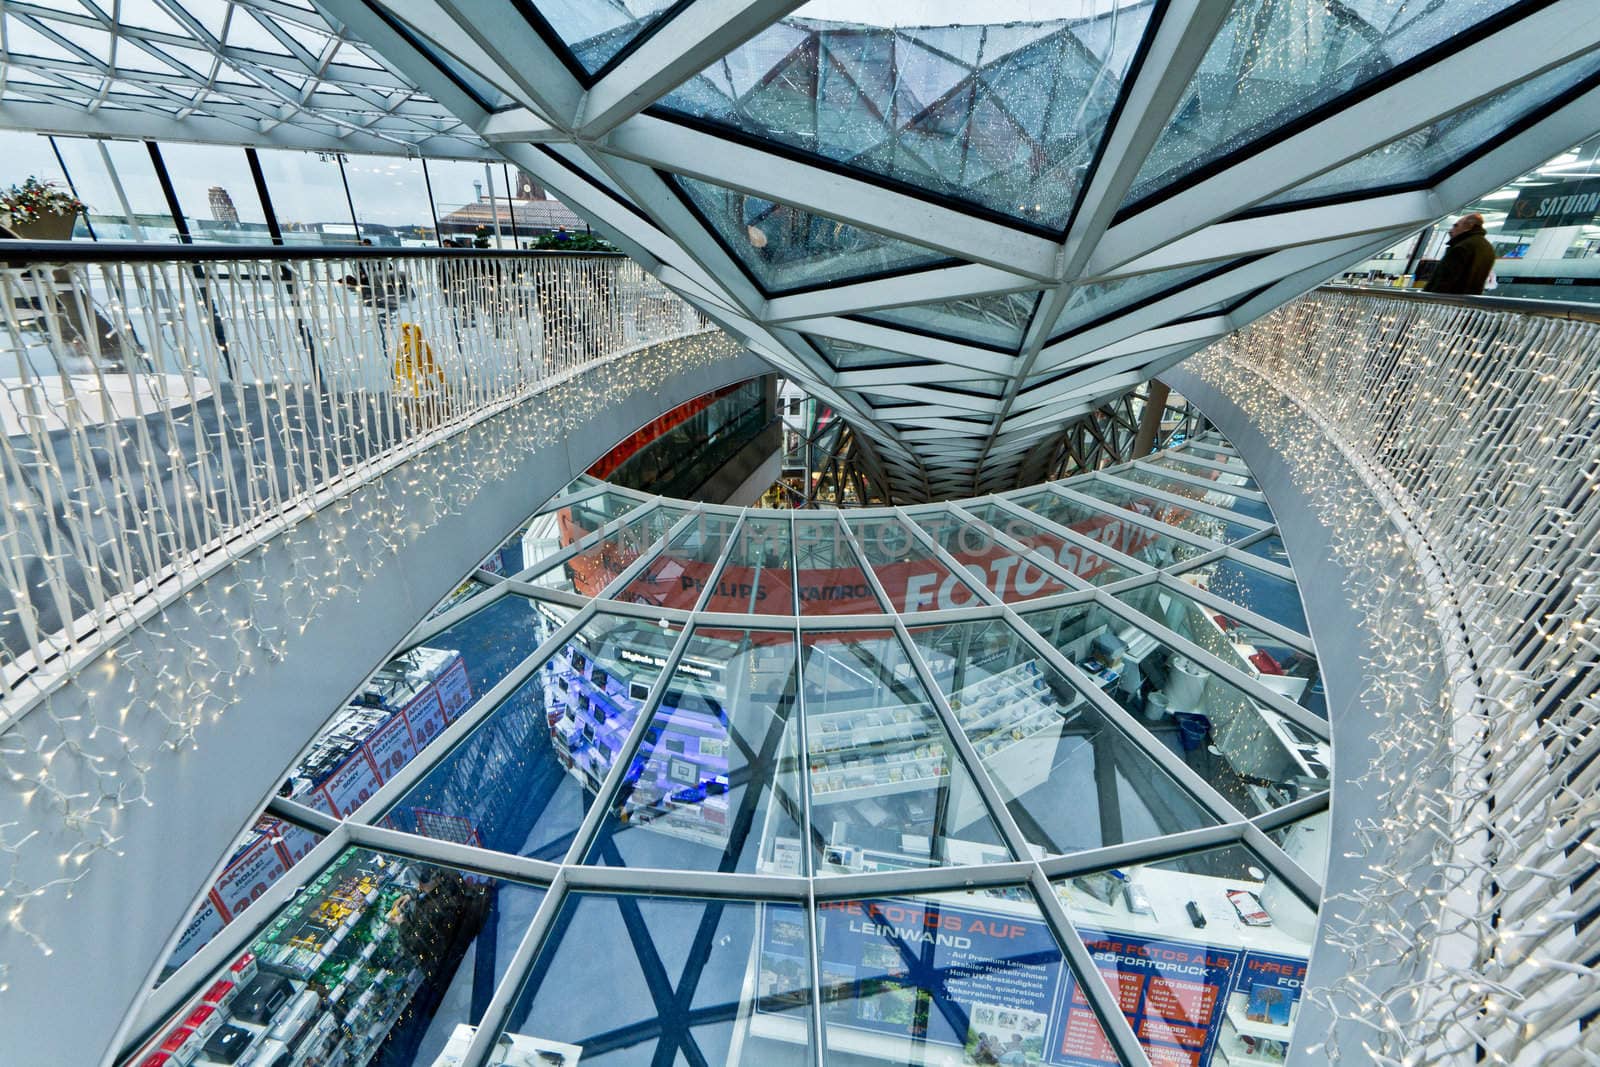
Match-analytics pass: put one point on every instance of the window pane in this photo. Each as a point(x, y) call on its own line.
point(1276, 60)
point(887, 790)
point(217, 193)
point(308, 198)
point(391, 200)
point(461, 198)
point(151, 220)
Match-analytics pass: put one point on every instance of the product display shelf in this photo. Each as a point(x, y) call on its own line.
point(1044, 718)
point(839, 731)
point(832, 785)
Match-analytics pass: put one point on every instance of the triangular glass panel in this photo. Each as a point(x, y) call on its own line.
point(1071, 779)
point(1093, 567)
point(912, 575)
point(676, 577)
point(847, 355)
point(991, 115)
point(887, 788)
point(601, 562)
point(1284, 667)
point(715, 785)
point(636, 979)
point(967, 976)
point(1268, 594)
point(523, 779)
point(1206, 952)
point(1217, 493)
point(999, 320)
point(1273, 62)
point(1423, 153)
point(596, 30)
point(1096, 300)
point(787, 248)
point(828, 581)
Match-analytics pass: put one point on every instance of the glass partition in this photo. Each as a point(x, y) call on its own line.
point(217, 193)
point(308, 197)
point(391, 201)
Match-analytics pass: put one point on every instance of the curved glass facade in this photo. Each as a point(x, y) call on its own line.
point(666, 782)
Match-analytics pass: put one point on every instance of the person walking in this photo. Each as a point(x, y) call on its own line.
point(1466, 266)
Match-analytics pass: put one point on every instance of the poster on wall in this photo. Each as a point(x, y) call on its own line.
point(1173, 993)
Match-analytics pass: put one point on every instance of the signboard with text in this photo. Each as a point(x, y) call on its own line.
point(1569, 203)
point(993, 985)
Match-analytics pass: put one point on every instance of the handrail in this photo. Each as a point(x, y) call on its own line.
point(1566, 310)
point(24, 253)
point(1470, 533)
point(162, 412)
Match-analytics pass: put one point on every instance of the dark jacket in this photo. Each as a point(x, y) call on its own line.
point(1466, 266)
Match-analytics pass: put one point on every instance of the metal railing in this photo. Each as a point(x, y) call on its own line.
point(1475, 432)
point(162, 407)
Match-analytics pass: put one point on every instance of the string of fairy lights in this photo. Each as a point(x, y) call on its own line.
point(138, 590)
point(1464, 503)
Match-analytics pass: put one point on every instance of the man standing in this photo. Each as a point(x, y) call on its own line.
point(1466, 266)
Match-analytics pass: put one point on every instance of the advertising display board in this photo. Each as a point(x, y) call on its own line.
point(350, 785)
point(426, 716)
point(993, 985)
point(250, 875)
point(454, 688)
point(1172, 992)
point(390, 747)
point(203, 925)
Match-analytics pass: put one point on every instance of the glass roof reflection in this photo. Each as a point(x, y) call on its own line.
point(754, 767)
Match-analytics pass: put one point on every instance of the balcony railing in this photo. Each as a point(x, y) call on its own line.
point(163, 408)
point(1473, 540)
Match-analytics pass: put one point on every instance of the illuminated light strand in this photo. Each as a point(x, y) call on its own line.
point(304, 389)
point(1485, 427)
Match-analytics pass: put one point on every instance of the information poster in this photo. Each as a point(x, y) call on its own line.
point(1173, 994)
point(976, 980)
point(994, 986)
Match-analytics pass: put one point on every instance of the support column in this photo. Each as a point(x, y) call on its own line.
point(1155, 405)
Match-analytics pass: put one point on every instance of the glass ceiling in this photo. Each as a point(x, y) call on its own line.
point(674, 782)
point(931, 185)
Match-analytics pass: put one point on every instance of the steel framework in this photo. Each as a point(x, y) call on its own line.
point(960, 238)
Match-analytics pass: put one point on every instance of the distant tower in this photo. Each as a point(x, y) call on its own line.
point(222, 208)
